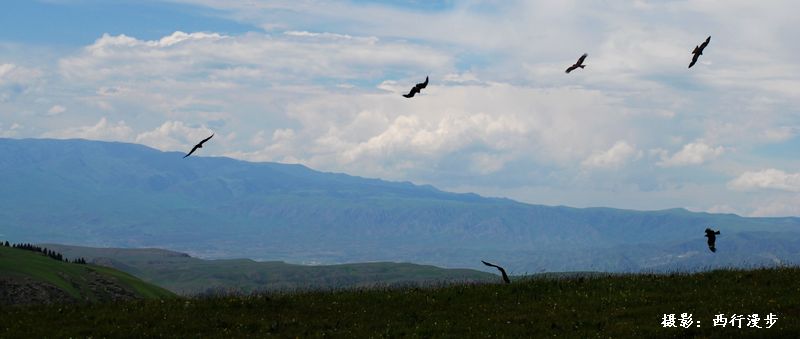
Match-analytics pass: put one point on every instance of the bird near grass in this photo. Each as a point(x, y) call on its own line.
point(579, 63)
point(502, 271)
point(698, 51)
point(712, 239)
point(418, 87)
point(199, 145)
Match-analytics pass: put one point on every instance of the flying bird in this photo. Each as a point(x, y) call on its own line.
point(417, 88)
point(502, 271)
point(712, 238)
point(199, 145)
point(698, 51)
point(578, 64)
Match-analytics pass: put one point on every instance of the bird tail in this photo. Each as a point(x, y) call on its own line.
point(713, 249)
point(582, 66)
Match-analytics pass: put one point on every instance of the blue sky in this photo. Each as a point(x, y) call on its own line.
point(319, 83)
point(81, 22)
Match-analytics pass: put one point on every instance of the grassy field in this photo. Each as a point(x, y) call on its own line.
point(588, 307)
point(80, 282)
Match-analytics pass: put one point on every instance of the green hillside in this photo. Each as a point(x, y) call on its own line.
point(28, 277)
point(619, 306)
point(186, 275)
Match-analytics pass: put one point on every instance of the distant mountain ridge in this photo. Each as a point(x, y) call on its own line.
point(185, 275)
point(110, 194)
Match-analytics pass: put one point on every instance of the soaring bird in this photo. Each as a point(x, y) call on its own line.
point(502, 271)
point(712, 238)
point(698, 51)
point(200, 145)
point(578, 64)
point(417, 88)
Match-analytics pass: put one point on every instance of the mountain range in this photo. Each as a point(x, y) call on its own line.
point(109, 194)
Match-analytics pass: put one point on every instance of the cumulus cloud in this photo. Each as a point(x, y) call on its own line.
point(614, 157)
point(767, 179)
point(16, 80)
point(321, 85)
point(173, 135)
point(272, 58)
point(102, 130)
point(694, 153)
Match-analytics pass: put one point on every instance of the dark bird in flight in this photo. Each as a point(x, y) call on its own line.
point(200, 145)
point(578, 64)
point(502, 271)
point(712, 238)
point(417, 88)
point(698, 51)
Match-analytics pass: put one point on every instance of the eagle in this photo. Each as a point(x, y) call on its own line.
point(698, 51)
point(417, 88)
point(502, 271)
point(579, 63)
point(712, 238)
point(199, 145)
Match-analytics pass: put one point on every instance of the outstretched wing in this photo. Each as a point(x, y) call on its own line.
point(583, 57)
point(206, 139)
point(694, 59)
point(505, 276)
point(192, 151)
point(571, 68)
point(502, 271)
point(422, 85)
point(489, 264)
point(705, 43)
point(411, 94)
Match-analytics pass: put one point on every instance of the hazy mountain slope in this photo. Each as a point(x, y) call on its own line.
point(183, 274)
point(28, 277)
point(125, 195)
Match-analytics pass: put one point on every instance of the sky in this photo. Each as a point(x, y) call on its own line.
point(319, 83)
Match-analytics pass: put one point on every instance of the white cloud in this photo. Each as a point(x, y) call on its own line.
point(723, 208)
point(11, 131)
point(271, 59)
point(102, 130)
point(56, 110)
point(694, 153)
point(778, 207)
point(614, 157)
point(174, 135)
point(767, 179)
point(321, 86)
point(16, 80)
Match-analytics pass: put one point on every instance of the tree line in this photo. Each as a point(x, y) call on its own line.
point(50, 253)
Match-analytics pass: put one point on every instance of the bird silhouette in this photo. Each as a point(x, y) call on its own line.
point(418, 87)
point(199, 145)
point(712, 238)
point(502, 271)
point(578, 64)
point(698, 51)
